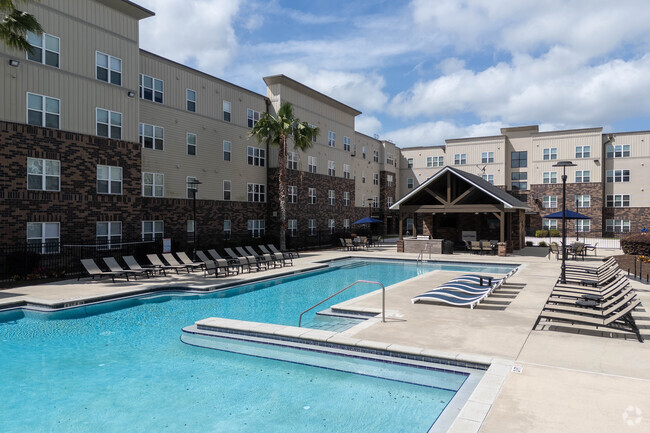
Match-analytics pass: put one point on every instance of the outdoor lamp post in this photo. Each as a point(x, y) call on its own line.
point(564, 165)
point(193, 185)
point(370, 203)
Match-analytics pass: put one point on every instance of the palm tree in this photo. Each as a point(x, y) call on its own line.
point(15, 25)
point(279, 131)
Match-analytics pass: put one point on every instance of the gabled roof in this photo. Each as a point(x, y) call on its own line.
point(509, 202)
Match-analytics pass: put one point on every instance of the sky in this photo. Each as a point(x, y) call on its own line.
point(423, 71)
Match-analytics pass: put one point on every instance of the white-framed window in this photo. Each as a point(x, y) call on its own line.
point(617, 176)
point(109, 179)
point(312, 227)
point(583, 176)
point(46, 48)
point(363, 200)
point(346, 224)
point(488, 177)
point(256, 192)
point(375, 202)
point(109, 234)
point(256, 156)
point(409, 163)
point(346, 171)
point(332, 225)
point(227, 190)
point(549, 177)
point(191, 143)
point(346, 143)
point(43, 111)
point(153, 230)
point(226, 111)
point(312, 195)
point(583, 151)
point(191, 186)
point(389, 201)
point(363, 152)
point(582, 225)
point(409, 183)
point(43, 238)
point(346, 198)
point(331, 168)
point(331, 138)
point(311, 162)
point(151, 89)
point(152, 136)
point(227, 229)
point(331, 196)
point(292, 193)
point(618, 200)
point(409, 225)
point(108, 68)
point(43, 174)
point(153, 184)
point(583, 200)
point(389, 180)
point(375, 156)
point(550, 201)
point(617, 150)
point(292, 228)
point(109, 123)
point(389, 158)
point(460, 158)
point(363, 177)
point(548, 224)
point(190, 98)
point(549, 153)
point(313, 137)
point(375, 179)
point(227, 152)
point(435, 161)
point(252, 116)
point(256, 228)
point(487, 157)
point(292, 160)
point(617, 226)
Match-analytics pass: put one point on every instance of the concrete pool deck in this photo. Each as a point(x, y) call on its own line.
point(570, 382)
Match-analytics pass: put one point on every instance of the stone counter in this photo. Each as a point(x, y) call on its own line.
point(412, 245)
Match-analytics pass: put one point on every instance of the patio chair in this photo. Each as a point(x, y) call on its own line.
point(294, 254)
point(94, 271)
point(593, 248)
point(475, 247)
point(486, 247)
point(155, 260)
point(554, 248)
point(342, 245)
point(133, 264)
point(349, 244)
point(185, 260)
point(115, 267)
point(578, 250)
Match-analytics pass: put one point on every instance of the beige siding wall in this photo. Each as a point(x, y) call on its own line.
point(639, 165)
point(367, 166)
point(419, 172)
point(474, 149)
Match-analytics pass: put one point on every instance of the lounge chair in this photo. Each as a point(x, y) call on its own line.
point(342, 246)
point(155, 260)
point(607, 264)
point(115, 267)
point(255, 259)
point(244, 261)
point(602, 302)
point(185, 260)
point(293, 254)
point(268, 258)
point(472, 289)
point(587, 278)
point(286, 259)
point(568, 289)
point(133, 264)
point(217, 268)
point(169, 258)
point(451, 297)
point(94, 271)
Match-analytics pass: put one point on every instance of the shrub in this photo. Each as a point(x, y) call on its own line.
point(542, 244)
point(541, 233)
point(556, 232)
point(636, 244)
point(529, 243)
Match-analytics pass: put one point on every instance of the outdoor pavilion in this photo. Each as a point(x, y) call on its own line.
point(452, 201)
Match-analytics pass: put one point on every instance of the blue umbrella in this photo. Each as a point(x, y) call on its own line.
point(570, 215)
point(367, 220)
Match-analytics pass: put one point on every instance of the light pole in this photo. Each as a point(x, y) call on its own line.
point(193, 185)
point(370, 203)
point(564, 165)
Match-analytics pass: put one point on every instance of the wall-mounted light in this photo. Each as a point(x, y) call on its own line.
point(130, 94)
point(14, 63)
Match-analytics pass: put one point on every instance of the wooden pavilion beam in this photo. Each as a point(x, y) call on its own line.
point(463, 195)
point(437, 197)
point(459, 208)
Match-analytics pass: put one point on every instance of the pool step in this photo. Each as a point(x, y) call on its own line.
point(353, 265)
point(345, 314)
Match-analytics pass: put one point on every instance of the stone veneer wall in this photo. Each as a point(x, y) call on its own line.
point(639, 217)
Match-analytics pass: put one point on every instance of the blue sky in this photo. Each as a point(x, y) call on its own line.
point(422, 71)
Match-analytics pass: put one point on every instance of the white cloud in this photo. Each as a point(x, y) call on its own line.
point(435, 133)
point(368, 125)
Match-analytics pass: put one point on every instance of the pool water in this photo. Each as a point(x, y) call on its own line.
point(120, 366)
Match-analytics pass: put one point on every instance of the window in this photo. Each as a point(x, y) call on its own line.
point(363, 177)
point(346, 198)
point(109, 124)
point(617, 150)
point(583, 201)
point(435, 161)
point(346, 171)
point(191, 186)
point(109, 234)
point(256, 228)
point(363, 152)
point(256, 192)
point(583, 176)
point(346, 224)
point(487, 157)
point(311, 161)
point(618, 200)
point(549, 224)
point(226, 111)
point(312, 227)
point(409, 183)
point(550, 201)
point(583, 151)
point(460, 158)
point(292, 160)
point(331, 138)
point(409, 163)
point(151, 136)
point(312, 195)
point(617, 226)
point(618, 176)
point(331, 168)
point(519, 159)
point(331, 197)
point(256, 156)
point(375, 202)
point(375, 179)
point(43, 111)
point(375, 155)
point(292, 227)
point(346, 143)
point(108, 68)
point(519, 179)
point(46, 49)
point(389, 158)
point(153, 184)
point(109, 180)
point(190, 231)
point(151, 89)
point(550, 153)
point(43, 238)
point(549, 177)
point(489, 178)
point(227, 229)
point(582, 225)
point(389, 201)
point(190, 97)
point(332, 225)
point(191, 144)
point(409, 225)
point(227, 189)
point(253, 117)
point(152, 230)
point(293, 193)
point(43, 174)
point(226, 150)
point(389, 180)
point(313, 137)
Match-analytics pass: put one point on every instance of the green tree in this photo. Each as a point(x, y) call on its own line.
point(279, 131)
point(16, 24)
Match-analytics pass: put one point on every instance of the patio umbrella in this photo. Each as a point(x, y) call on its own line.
point(367, 220)
point(570, 215)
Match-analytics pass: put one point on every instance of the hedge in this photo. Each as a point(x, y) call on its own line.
point(638, 243)
point(544, 233)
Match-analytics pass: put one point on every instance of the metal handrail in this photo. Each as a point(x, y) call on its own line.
point(383, 299)
point(427, 247)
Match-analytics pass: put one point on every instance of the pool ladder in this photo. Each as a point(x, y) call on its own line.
point(383, 299)
point(427, 248)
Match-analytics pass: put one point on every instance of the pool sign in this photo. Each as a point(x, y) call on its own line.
point(167, 245)
point(469, 236)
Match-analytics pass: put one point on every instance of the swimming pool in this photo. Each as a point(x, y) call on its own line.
point(120, 366)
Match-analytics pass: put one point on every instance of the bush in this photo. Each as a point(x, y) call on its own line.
point(636, 244)
point(529, 243)
point(556, 232)
point(541, 233)
point(542, 244)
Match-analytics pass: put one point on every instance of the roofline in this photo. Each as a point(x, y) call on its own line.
point(423, 147)
point(449, 140)
point(593, 129)
point(459, 173)
point(629, 132)
point(366, 135)
point(283, 79)
point(534, 128)
point(128, 7)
